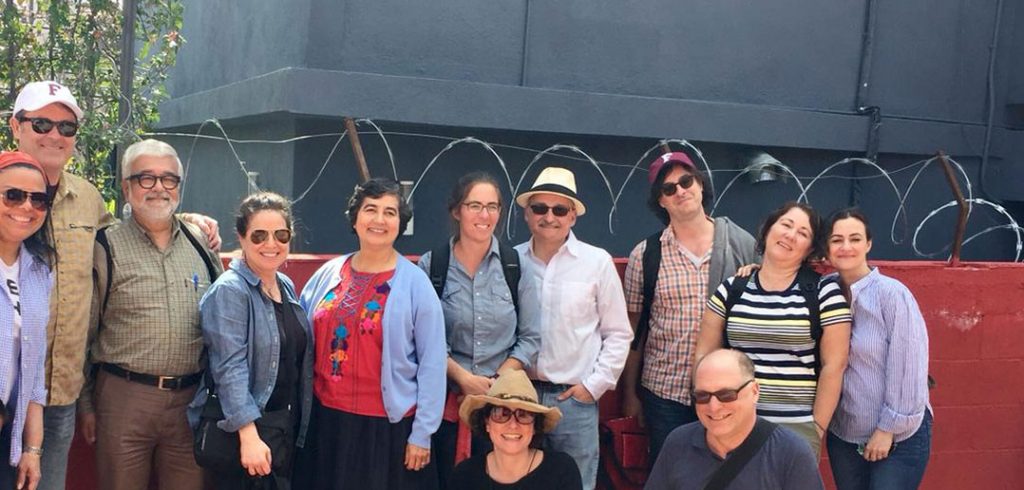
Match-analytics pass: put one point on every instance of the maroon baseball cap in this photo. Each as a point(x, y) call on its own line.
point(673, 158)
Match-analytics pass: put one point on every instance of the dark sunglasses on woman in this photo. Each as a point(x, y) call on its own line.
point(15, 197)
point(542, 209)
point(43, 125)
point(504, 414)
point(282, 236)
point(669, 188)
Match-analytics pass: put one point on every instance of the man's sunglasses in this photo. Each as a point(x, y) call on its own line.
point(43, 125)
point(501, 415)
point(148, 181)
point(542, 209)
point(282, 236)
point(15, 197)
point(724, 396)
point(669, 188)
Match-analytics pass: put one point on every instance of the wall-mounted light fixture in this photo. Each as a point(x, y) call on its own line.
point(762, 167)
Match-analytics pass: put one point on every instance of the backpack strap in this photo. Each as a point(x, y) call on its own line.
point(510, 267)
point(439, 258)
point(101, 238)
point(203, 251)
point(808, 280)
point(739, 458)
point(735, 291)
point(652, 264)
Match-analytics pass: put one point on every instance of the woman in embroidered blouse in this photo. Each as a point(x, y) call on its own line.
point(485, 334)
point(770, 322)
point(260, 349)
point(880, 436)
point(379, 369)
point(25, 258)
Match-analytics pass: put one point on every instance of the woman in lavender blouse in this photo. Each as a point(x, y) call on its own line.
point(880, 435)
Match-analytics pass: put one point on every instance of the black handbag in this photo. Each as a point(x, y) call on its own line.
point(218, 450)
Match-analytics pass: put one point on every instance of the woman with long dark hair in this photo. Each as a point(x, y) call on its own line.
point(880, 436)
point(25, 260)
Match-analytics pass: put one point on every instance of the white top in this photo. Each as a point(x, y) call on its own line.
point(9, 276)
point(585, 332)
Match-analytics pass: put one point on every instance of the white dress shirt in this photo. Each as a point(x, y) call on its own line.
point(585, 333)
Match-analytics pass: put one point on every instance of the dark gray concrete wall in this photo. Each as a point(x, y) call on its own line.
point(612, 77)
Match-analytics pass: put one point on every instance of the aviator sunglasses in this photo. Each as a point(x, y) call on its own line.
point(282, 236)
point(669, 188)
point(15, 197)
point(724, 396)
point(542, 209)
point(43, 125)
point(503, 414)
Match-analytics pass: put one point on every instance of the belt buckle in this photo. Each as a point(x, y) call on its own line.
point(160, 382)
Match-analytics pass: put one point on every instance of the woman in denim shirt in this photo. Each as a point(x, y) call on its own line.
point(25, 274)
point(484, 332)
point(260, 347)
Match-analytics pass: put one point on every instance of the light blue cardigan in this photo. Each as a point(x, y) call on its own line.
point(415, 357)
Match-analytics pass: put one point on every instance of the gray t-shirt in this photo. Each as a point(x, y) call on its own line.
point(785, 461)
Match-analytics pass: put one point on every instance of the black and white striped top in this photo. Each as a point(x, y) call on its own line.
point(773, 329)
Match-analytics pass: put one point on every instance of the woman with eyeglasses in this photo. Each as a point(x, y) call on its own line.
point(880, 436)
point(380, 355)
point(696, 253)
point(25, 260)
point(260, 349)
point(484, 331)
point(799, 355)
point(510, 415)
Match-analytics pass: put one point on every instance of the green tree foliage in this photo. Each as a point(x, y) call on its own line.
point(78, 43)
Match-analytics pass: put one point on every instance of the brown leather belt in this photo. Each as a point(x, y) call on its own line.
point(167, 383)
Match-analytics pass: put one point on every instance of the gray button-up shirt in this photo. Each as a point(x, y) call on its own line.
point(481, 324)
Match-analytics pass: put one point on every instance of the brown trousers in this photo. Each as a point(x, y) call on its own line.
point(141, 429)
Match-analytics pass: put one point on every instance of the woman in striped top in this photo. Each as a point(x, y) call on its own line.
point(880, 436)
point(800, 373)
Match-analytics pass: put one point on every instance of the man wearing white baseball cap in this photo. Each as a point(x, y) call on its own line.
point(585, 333)
point(45, 122)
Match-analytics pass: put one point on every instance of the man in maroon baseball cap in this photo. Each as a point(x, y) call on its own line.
point(688, 259)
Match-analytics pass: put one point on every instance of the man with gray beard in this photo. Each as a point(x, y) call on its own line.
point(145, 339)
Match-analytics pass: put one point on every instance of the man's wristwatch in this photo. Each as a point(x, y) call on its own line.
point(38, 451)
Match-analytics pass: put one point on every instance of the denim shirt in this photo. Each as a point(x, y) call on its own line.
point(483, 329)
point(413, 360)
point(244, 348)
point(34, 282)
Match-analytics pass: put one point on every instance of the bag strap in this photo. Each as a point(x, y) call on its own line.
point(808, 280)
point(735, 290)
point(651, 261)
point(510, 267)
point(204, 253)
point(439, 257)
point(739, 458)
point(101, 238)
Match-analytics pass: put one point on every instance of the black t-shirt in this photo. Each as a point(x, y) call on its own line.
point(557, 470)
point(293, 347)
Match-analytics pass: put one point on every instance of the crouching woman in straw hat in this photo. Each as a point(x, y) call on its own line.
point(515, 423)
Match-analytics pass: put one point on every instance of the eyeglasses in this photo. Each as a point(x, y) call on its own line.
point(148, 181)
point(724, 396)
point(479, 207)
point(542, 209)
point(669, 188)
point(283, 236)
point(501, 415)
point(15, 197)
point(43, 125)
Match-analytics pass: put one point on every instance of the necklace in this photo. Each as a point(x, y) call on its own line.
point(487, 469)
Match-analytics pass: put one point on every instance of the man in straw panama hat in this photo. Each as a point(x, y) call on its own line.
point(585, 333)
point(512, 417)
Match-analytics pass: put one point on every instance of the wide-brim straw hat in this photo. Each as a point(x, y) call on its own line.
point(554, 180)
point(514, 390)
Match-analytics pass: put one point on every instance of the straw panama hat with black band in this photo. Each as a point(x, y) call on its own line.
point(554, 180)
point(514, 390)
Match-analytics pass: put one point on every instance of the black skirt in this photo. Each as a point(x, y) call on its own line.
point(345, 450)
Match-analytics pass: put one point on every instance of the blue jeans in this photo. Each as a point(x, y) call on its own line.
point(576, 434)
point(58, 430)
point(903, 469)
point(661, 417)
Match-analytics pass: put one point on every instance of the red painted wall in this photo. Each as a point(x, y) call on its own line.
point(975, 317)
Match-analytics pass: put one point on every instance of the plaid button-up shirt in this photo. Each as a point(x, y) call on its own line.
point(676, 311)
